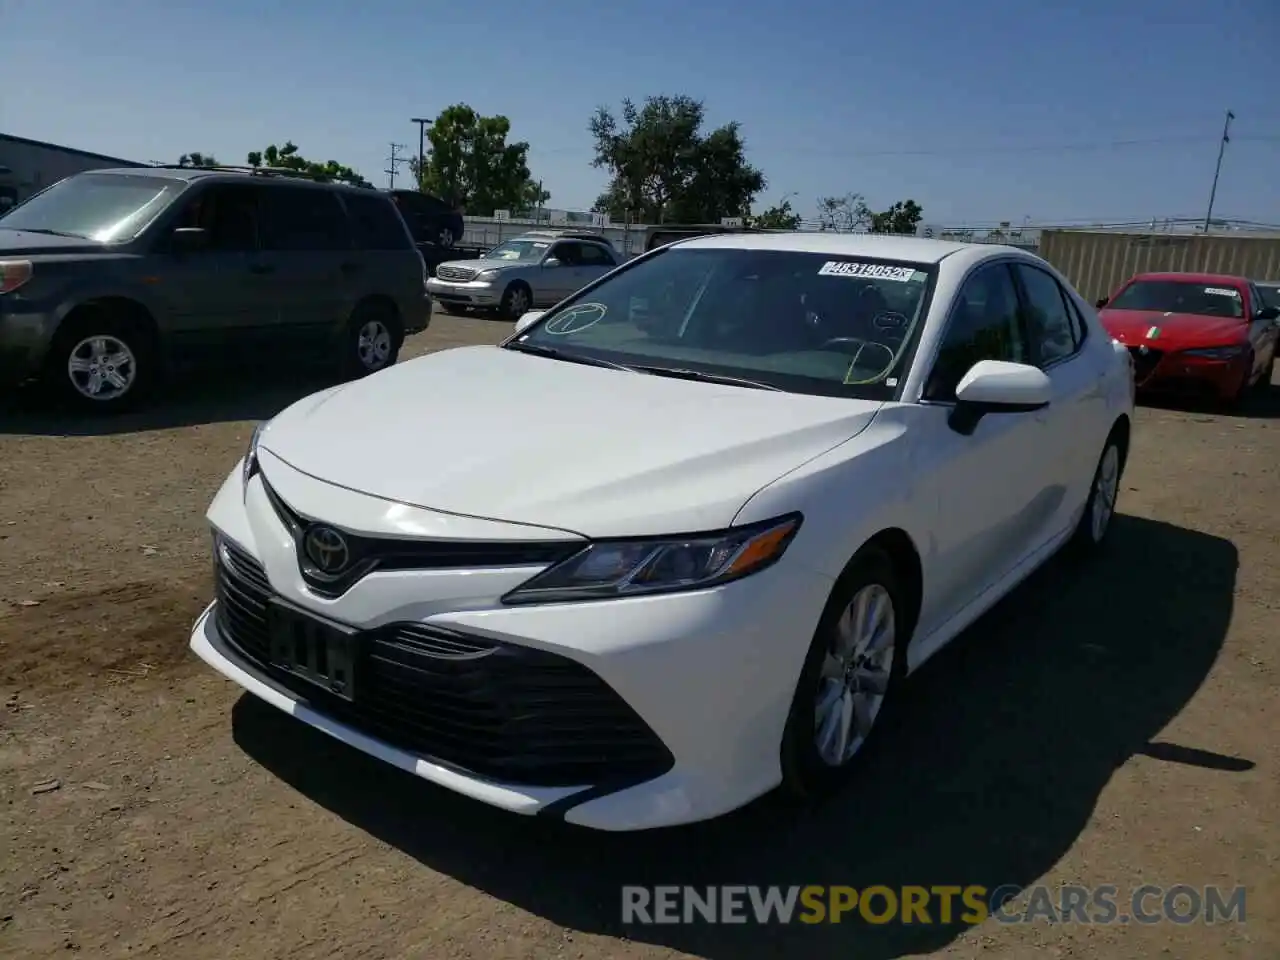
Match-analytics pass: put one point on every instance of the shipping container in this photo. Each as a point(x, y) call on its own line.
point(1097, 262)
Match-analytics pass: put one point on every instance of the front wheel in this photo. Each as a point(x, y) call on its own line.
point(101, 363)
point(853, 669)
point(516, 302)
point(372, 341)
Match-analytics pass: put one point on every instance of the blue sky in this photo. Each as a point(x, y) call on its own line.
point(982, 111)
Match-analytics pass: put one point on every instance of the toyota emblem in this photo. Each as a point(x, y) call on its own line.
point(327, 549)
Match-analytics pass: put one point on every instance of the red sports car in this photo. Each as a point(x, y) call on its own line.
point(1194, 332)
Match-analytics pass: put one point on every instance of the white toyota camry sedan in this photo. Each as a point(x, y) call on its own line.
point(679, 539)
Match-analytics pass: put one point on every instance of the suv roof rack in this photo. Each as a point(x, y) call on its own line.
point(256, 171)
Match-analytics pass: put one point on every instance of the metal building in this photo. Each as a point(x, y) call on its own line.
point(1097, 262)
point(28, 166)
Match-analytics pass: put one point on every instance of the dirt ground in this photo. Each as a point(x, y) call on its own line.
point(1109, 724)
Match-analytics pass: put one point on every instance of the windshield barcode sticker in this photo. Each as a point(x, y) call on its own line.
point(1222, 292)
point(868, 271)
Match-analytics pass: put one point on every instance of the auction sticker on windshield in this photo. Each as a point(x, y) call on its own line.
point(1222, 292)
point(868, 271)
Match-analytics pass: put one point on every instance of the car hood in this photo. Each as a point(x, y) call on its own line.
point(24, 241)
point(493, 433)
point(1174, 330)
point(483, 264)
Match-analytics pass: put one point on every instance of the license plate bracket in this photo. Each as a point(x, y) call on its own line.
point(322, 653)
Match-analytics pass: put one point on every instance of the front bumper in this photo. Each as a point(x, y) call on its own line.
point(708, 676)
point(25, 332)
point(1177, 372)
point(475, 293)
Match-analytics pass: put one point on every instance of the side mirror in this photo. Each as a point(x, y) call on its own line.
point(189, 239)
point(997, 386)
point(551, 262)
point(527, 319)
point(1269, 313)
point(1101, 302)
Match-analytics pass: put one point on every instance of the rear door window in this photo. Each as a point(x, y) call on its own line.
point(375, 223)
point(303, 218)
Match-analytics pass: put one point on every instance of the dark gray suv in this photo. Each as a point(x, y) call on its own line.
point(112, 277)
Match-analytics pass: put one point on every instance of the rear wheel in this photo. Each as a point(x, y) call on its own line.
point(372, 341)
point(1100, 508)
point(101, 362)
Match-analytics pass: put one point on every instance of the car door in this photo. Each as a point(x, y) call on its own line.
point(559, 273)
point(986, 489)
point(305, 229)
point(1264, 335)
point(221, 296)
point(1076, 420)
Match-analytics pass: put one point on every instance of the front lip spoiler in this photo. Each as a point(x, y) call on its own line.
point(552, 810)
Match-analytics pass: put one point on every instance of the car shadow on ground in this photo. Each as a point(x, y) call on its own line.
point(1005, 743)
point(1263, 403)
point(188, 400)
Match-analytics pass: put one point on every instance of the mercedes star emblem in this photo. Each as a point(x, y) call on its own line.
point(326, 548)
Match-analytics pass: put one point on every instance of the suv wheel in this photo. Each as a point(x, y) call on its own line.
point(101, 362)
point(516, 302)
point(445, 238)
point(373, 339)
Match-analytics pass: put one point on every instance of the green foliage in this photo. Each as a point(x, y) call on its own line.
point(663, 169)
point(471, 165)
point(196, 159)
point(843, 214)
point(903, 217)
point(778, 217)
point(288, 158)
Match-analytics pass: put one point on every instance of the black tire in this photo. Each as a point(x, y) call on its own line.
point(138, 361)
point(1085, 540)
point(445, 238)
point(510, 308)
point(805, 775)
point(363, 350)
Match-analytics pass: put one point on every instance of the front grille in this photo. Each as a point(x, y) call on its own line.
point(455, 274)
point(494, 710)
point(366, 554)
point(1144, 364)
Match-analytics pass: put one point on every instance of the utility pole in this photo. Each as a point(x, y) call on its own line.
point(1222, 146)
point(422, 123)
point(394, 160)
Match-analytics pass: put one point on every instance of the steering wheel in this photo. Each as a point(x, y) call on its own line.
point(841, 340)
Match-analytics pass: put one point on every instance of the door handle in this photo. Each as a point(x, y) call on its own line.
point(261, 268)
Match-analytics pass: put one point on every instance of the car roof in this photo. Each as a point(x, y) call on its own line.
point(1175, 275)
point(880, 246)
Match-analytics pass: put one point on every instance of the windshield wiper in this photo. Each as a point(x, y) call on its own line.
point(50, 233)
point(680, 373)
point(538, 350)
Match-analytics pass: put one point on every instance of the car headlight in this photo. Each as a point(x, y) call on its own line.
point(1218, 353)
point(625, 568)
point(249, 466)
point(486, 276)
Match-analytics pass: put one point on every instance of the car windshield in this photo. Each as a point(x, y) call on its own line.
point(527, 250)
point(1270, 294)
point(795, 321)
point(1180, 296)
point(94, 206)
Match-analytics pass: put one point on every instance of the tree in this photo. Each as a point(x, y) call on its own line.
point(843, 214)
point(195, 159)
point(903, 217)
point(778, 217)
point(662, 168)
point(472, 166)
point(288, 158)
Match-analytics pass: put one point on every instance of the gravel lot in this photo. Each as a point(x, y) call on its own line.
point(1111, 724)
